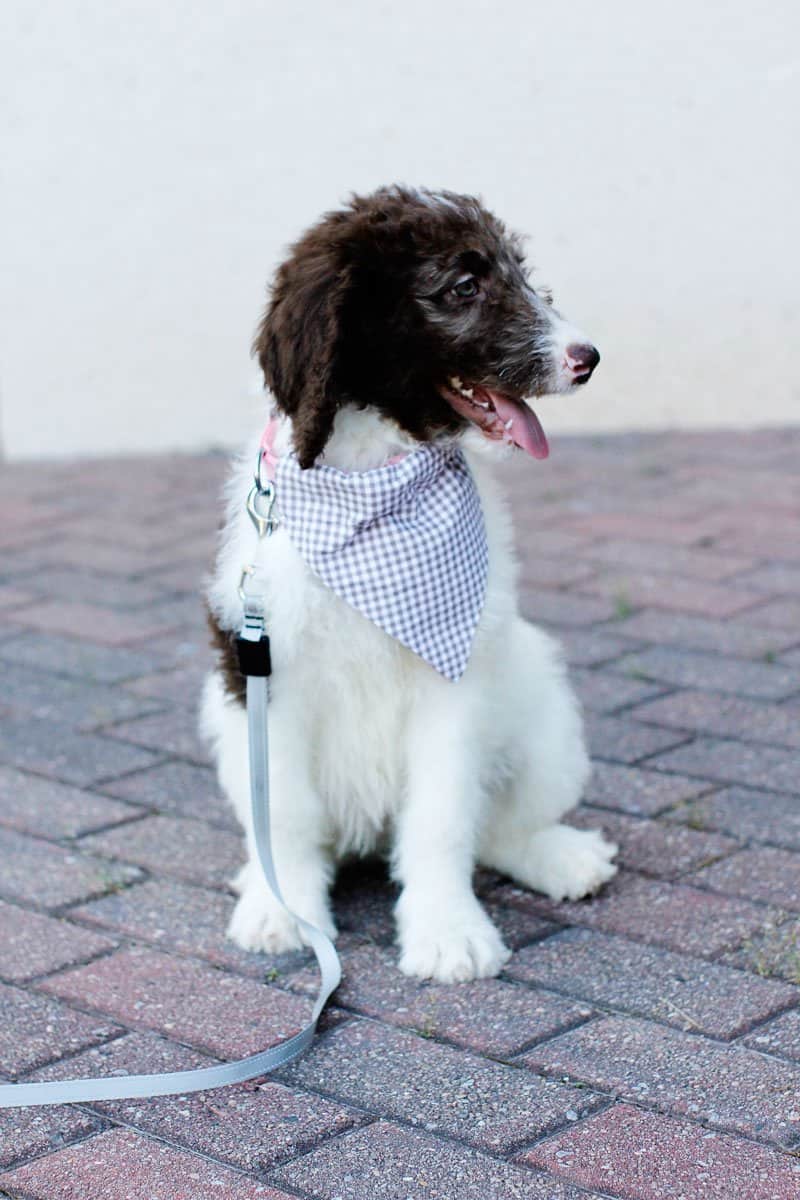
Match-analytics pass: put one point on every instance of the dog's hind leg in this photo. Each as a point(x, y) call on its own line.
point(522, 836)
point(562, 862)
point(302, 861)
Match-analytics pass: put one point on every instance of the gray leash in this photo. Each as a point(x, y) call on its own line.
point(254, 659)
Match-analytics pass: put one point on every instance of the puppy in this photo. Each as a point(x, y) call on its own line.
point(404, 324)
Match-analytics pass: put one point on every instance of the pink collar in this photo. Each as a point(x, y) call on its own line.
point(269, 459)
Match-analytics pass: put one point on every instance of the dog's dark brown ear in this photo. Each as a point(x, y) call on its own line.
point(296, 342)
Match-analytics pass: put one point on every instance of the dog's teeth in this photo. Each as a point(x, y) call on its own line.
point(509, 423)
point(456, 382)
point(468, 392)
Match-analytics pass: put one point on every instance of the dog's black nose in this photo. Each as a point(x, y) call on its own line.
point(580, 360)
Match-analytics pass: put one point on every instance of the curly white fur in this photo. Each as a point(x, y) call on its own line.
point(372, 749)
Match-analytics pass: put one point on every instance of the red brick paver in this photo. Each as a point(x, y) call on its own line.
point(440, 1088)
point(386, 1162)
point(643, 1156)
point(641, 1045)
point(124, 1164)
point(682, 1073)
point(674, 988)
point(32, 944)
point(229, 1016)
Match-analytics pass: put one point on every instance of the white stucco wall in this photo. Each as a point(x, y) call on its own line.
point(157, 157)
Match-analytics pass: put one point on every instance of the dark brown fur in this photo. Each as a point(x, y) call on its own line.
point(222, 642)
point(364, 312)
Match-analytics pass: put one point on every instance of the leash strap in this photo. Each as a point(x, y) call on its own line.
point(254, 658)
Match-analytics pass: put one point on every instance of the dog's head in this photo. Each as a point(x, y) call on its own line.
point(417, 304)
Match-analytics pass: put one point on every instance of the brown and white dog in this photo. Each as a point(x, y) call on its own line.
point(407, 317)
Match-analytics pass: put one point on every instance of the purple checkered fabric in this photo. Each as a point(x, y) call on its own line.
point(405, 544)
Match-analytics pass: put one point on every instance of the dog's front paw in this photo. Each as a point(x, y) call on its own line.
point(453, 948)
point(577, 863)
point(259, 923)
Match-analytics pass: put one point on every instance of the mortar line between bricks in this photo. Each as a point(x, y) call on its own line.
point(633, 874)
point(677, 1114)
point(681, 873)
point(67, 910)
point(67, 843)
point(163, 709)
point(168, 756)
point(760, 600)
point(443, 1134)
point(601, 1008)
point(44, 1064)
point(61, 910)
point(550, 1177)
point(468, 1053)
point(760, 1024)
point(262, 1175)
point(644, 647)
point(42, 595)
point(655, 643)
point(25, 1160)
point(162, 760)
point(574, 922)
point(740, 693)
point(696, 732)
point(785, 913)
point(28, 1075)
point(622, 710)
point(316, 1142)
point(70, 841)
point(164, 872)
point(714, 785)
point(149, 809)
point(159, 760)
point(139, 940)
point(126, 1025)
point(658, 813)
point(682, 1118)
point(43, 673)
point(136, 642)
point(611, 1101)
point(750, 843)
point(138, 814)
point(507, 1160)
point(441, 1039)
point(33, 981)
point(642, 758)
point(73, 676)
point(146, 1136)
point(725, 782)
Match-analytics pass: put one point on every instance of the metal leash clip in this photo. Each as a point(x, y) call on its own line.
point(261, 502)
point(260, 506)
point(264, 521)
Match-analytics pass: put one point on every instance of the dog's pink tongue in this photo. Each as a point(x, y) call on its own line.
point(525, 430)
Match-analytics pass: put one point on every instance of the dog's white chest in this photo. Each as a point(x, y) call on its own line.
point(353, 684)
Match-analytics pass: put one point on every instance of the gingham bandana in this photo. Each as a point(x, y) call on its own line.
point(405, 544)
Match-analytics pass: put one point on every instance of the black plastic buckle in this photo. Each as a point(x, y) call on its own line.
point(254, 657)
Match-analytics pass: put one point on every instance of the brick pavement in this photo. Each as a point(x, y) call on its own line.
point(640, 1046)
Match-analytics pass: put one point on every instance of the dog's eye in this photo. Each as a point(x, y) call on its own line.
point(465, 288)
